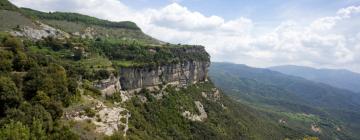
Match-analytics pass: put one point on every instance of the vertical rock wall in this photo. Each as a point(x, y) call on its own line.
point(187, 72)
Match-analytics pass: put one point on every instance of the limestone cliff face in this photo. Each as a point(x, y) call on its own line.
point(192, 68)
point(180, 74)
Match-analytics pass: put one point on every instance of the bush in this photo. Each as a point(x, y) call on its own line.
point(10, 95)
point(102, 74)
point(6, 61)
point(14, 43)
point(15, 131)
point(89, 112)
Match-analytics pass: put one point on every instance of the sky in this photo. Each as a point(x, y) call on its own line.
point(259, 33)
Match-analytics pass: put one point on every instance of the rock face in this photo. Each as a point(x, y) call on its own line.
point(194, 117)
point(43, 31)
point(188, 72)
point(108, 86)
point(107, 119)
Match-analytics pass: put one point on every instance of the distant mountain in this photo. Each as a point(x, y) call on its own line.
point(335, 77)
point(293, 99)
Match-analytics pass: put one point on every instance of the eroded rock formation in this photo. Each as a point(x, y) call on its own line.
point(188, 72)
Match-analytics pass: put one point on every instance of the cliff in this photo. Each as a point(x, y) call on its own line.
point(180, 74)
point(189, 66)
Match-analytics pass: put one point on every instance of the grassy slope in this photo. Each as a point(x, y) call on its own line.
point(10, 20)
point(6, 5)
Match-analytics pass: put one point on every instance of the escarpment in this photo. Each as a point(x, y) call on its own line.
point(180, 74)
point(190, 69)
point(188, 65)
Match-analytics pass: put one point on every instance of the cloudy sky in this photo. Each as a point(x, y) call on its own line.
point(317, 33)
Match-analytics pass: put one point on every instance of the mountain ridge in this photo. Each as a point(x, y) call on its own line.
point(339, 78)
point(289, 96)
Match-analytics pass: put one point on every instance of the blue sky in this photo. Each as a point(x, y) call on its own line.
point(260, 33)
point(262, 11)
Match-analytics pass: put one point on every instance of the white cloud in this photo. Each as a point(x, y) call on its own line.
point(176, 16)
point(331, 41)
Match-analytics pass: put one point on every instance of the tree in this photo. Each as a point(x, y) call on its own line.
point(14, 43)
point(10, 97)
point(22, 62)
point(62, 132)
point(37, 130)
point(36, 111)
point(15, 131)
point(54, 43)
point(51, 80)
point(6, 60)
point(102, 74)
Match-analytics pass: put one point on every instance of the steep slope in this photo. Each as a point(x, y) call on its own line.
point(337, 78)
point(90, 27)
point(58, 81)
point(291, 97)
point(28, 20)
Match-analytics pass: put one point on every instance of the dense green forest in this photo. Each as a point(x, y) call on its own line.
point(34, 89)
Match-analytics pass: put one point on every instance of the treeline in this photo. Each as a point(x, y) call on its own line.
point(144, 54)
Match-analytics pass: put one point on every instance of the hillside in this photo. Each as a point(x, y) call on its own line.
point(70, 76)
point(302, 103)
point(13, 18)
point(337, 78)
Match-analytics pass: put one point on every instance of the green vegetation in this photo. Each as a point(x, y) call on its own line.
point(11, 20)
point(75, 17)
point(31, 88)
point(39, 79)
point(74, 23)
point(6, 5)
point(131, 54)
point(298, 103)
point(162, 119)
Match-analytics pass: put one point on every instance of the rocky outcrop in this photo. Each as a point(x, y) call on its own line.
point(214, 95)
point(41, 32)
point(108, 86)
point(194, 117)
point(107, 120)
point(181, 74)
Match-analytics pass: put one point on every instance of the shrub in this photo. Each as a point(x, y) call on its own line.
point(15, 131)
point(89, 112)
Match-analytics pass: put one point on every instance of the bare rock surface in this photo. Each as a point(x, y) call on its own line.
point(213, 96)
point(182, 74)
point(41, 32)
point(196, 117)
point(315, 128)
point(107, 119)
